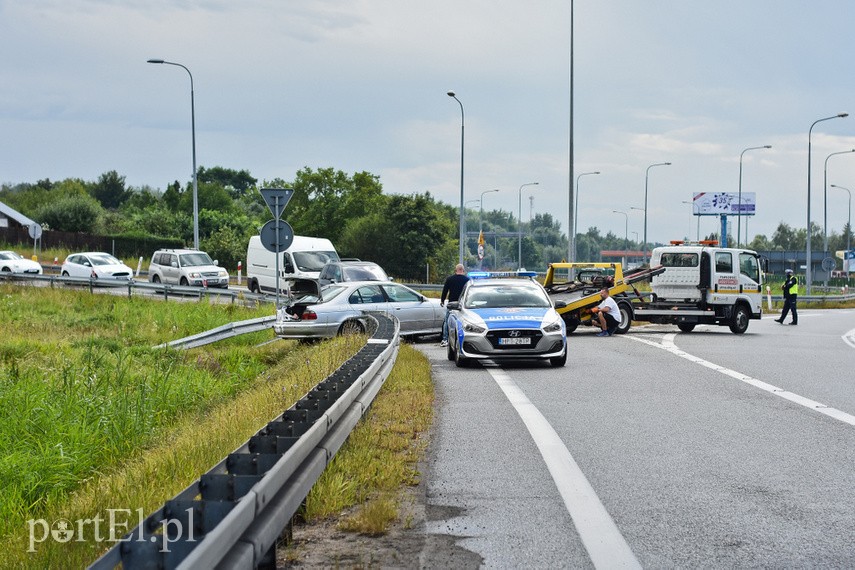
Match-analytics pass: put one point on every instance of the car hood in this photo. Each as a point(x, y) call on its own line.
point(511, 317)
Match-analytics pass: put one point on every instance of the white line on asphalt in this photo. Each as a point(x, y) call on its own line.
point(605, 544)
point(668, 345)
point(849, 338)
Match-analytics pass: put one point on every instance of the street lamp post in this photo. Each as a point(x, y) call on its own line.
point(698, 236)
point(848, 224)
point(481, 213)
point(576, 208)
point(646, 177)
point(739, 199)
point(825, 198)
point(808, 280)
point(625, 233)
point(193, 131)
point(462, 221)
point(519, 223)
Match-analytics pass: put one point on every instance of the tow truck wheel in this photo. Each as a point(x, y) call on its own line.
point(625, 318)
point(686, 327)
point(739, 324)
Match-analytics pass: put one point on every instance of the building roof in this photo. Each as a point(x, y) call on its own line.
point(16, 215)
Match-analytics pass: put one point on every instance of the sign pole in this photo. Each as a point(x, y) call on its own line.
point(278, 251)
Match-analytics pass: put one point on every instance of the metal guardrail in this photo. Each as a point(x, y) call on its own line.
point(232, 515)
point(226, 331)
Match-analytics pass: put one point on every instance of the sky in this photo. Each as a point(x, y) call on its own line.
point(360, 85)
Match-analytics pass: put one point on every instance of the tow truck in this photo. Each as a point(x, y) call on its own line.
point(692, 283)
point(582, 293)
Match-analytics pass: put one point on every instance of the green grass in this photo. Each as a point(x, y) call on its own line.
point(81, 389)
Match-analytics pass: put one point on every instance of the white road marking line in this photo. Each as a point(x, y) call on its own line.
point(849, 338)
point(605, 544)
point(668, 345)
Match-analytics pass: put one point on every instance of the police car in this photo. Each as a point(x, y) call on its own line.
point(505, 316)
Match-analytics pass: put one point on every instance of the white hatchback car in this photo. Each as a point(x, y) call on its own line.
point(15, 263)
point(96, 265)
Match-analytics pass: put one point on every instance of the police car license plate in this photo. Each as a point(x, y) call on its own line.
point(515, 340)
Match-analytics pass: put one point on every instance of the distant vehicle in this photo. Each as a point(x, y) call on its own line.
point(299, 266)
point(351, 270)
point(188, 267)
point(340, 309)
point(500, 317)
point(11, 262)
point(94, 264)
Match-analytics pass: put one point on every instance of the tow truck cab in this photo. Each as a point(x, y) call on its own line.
point(705, 284)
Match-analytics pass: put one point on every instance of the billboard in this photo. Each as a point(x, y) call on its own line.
point(727, 203)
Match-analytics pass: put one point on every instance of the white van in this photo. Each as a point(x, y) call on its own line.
point(299, 264)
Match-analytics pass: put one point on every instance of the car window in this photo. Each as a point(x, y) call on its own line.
point(195, 259)
point(367, 294)
point(679, 259)
point(103, 260)
point(364, 273)
point(313, 260)
point(398, 294)
point(749, 266)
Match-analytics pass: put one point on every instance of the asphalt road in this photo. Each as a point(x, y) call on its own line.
point(655, 449)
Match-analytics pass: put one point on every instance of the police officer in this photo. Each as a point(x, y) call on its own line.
point(791, 294)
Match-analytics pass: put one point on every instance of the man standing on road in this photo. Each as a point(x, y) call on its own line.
point(791, 295)
point(452, 289)
point(608, 314)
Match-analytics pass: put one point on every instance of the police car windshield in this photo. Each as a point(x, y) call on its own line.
point(504, 296)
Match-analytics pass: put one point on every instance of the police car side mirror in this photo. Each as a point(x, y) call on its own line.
point(558, 304)
point(453, 305)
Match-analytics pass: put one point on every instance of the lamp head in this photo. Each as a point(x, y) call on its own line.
point(841, 115)
point(155, 61)
point(770, 146)
point(451, 93)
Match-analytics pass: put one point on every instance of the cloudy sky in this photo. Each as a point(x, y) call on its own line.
point(361, 85)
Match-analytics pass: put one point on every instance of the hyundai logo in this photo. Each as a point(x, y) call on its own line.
point(514, 333)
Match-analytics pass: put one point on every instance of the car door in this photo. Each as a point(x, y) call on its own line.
point(411, 309)
point(368, 298)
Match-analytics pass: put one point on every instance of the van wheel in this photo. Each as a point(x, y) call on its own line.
point(155, 278)
point(740, 319)
point(253, 288)
point(65, 273)
point(625, 318)
point(686, 327)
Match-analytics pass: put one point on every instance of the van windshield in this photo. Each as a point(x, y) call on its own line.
point(313, 260)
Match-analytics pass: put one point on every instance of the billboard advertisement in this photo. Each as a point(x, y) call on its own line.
point(727, 203)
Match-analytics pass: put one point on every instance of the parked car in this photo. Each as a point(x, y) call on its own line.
point(188, 267)
point(505, 319)
point(340, 309)
point(13, 262)
point(95, 264)
point(351, 270)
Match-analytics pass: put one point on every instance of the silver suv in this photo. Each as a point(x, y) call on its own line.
point(186, 267)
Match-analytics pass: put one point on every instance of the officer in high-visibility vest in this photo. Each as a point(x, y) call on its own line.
point(791, 295)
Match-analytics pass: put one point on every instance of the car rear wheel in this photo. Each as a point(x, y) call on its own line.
point(155, 278)
point(184, 282)
point(686, 327)
point(351, 327)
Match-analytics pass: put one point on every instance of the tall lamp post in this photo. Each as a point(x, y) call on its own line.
point(808, 279)
point(739, 199)
point(849, 224)
point(576, 208)
point(481, 213)
point(646, 178)
point(462, 221)
point(193, 131)
point(519, 222)
point(825, 198)
point(692, 204)
point(625, 233)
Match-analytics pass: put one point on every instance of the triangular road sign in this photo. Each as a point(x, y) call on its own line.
point(277, 199)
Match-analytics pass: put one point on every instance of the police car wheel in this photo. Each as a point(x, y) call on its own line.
point(460, 361)
point(449, 352)
point(559, 360)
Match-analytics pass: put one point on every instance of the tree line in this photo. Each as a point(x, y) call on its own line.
point(407, 234)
